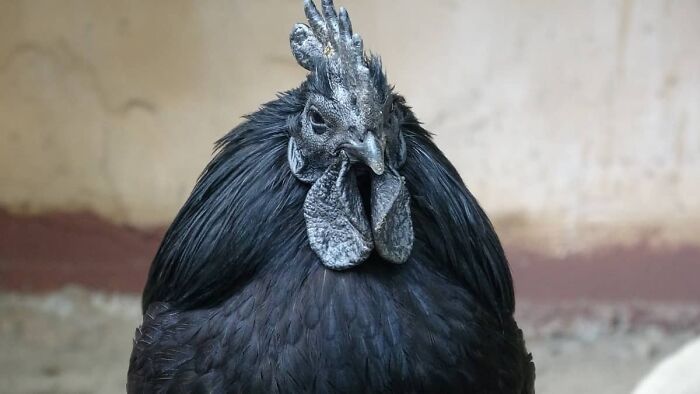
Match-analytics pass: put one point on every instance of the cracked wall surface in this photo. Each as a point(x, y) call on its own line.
point(575, 123)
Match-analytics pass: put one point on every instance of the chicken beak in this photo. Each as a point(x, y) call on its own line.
point(370, 152)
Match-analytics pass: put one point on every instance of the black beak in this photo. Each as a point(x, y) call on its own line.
point(370, 151)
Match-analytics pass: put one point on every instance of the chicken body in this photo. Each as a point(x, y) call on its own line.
point(236, 300)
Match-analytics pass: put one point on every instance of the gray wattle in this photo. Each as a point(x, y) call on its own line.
point(391, 217)
point(336, 222)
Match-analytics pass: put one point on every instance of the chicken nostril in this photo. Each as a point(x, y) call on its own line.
point(353, 130)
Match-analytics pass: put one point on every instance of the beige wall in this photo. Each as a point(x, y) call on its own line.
point(574, 122)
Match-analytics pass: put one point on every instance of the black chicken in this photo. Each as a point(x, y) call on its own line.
point(330, 247)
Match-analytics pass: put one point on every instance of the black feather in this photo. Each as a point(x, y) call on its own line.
point(378, 76)
point(245, 203)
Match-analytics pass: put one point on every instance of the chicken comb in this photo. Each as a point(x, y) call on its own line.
point(328, 38)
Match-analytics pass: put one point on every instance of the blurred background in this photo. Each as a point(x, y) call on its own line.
point(575, 123)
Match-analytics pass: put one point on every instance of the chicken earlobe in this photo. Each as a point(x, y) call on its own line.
point(299, 165)
point(392, 226)
point(336, 222)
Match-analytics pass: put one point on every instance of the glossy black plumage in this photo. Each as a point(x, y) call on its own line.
point(236, 301)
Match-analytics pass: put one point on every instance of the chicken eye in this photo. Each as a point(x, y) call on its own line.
point(316, 118)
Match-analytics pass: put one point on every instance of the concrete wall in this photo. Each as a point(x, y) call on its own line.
point(576, 123)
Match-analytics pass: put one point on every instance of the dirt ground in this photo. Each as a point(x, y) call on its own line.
point(75, 341)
